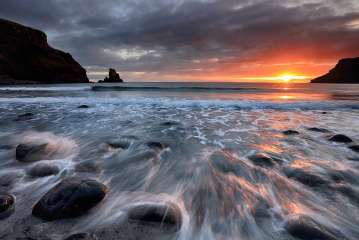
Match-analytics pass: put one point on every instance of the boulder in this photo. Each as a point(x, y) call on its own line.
point(164, 213)
point(320, 130)
point(113, 77)
point(306, 178)
point(31, 152)
point(24, 117)
point(340, 138)
point(26, 57)
point(43, 170)
point(7, 205)
point(355, 148)
point(156, 145)
point(70, 198)
point(82, 236)
point(290, 132)
point(346, 71)
point(304, 227)
point(262, 160)
point(116, 144)
point(83, 106)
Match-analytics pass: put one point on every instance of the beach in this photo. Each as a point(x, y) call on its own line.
point(229, 160)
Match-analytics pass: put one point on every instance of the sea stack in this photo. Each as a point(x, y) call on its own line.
point(26, 57)
point(346, 71)
point(113, 77)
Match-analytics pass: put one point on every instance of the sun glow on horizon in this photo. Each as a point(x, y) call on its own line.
point(283, 78)
point(289, 77)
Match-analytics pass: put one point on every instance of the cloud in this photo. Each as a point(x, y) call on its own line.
point(170, 37)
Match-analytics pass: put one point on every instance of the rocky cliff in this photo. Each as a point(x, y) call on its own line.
point(26, 57)
point(346, 71)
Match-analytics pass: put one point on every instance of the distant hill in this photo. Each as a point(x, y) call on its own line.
point(26, 57)
point(346, 71)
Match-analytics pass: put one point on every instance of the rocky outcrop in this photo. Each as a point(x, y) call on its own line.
point(26, 57)
point(113, 77)
point(346, 71)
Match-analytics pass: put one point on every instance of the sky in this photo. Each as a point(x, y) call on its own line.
point(197, 40)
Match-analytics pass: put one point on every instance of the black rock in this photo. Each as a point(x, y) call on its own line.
point(168, 123)
point(7, 205)
point(29, 152)
point(306, 178)
point(119, 144)
point(156, 145)
point(70, 198)
point(290, 132)
point(306, 228)
point(169, 214)
point(355, 148)
point(82, 236)
point(113, 77)
point(43, 170)
point(24, 117)
point(340, 138)
point(320, 130)
point(83, 106)
point(261, 160)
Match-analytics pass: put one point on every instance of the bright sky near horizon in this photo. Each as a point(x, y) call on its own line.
point(198, 40)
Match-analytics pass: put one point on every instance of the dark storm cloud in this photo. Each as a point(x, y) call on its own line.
point(157, 36)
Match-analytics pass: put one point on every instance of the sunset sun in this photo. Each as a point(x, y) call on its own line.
point(289, 77)
point(286, 78)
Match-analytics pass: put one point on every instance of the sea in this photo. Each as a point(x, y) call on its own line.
point(241, 161)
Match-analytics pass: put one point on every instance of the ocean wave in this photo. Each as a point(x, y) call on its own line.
point(193, 103)
point(174, 88)
point(47, 88)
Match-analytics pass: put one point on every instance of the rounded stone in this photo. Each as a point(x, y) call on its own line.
point(306, 228)
point(31, 152)
point(43, 170)
point(70, 198)
point(24, 117)
point(341, 138)
point(83, 106)
point(165, 213)
point(290, 132)
point(320, 130)
point(81, 236)
point(306, 178)
point(7, 205)
point(261, 160)
point(355, 148)
point(156, 145)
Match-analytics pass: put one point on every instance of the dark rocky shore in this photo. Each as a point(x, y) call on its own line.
point(346, 71)
point(27, 58)
point(73, 197)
